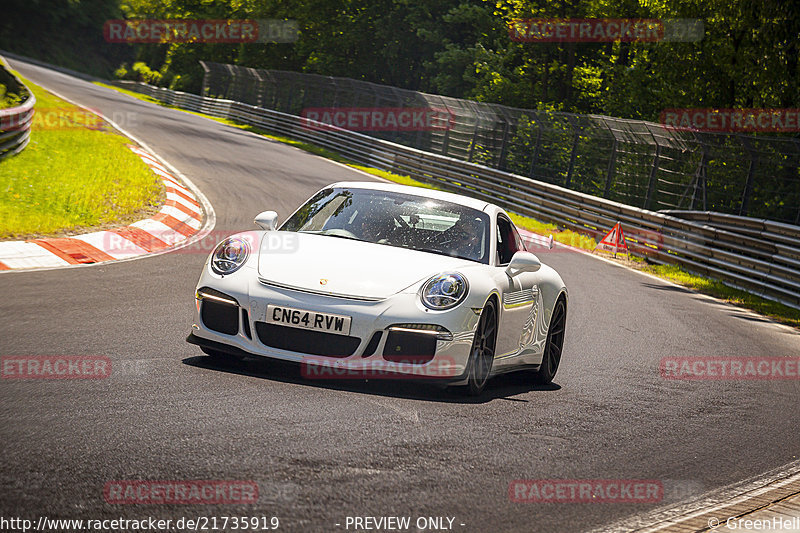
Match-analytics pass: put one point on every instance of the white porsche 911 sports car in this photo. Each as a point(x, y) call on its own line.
point(373, 276)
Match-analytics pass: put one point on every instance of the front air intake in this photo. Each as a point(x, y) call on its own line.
point(409, 347)
point(218, 311)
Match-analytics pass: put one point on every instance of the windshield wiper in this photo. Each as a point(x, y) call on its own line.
point(442, 252)
point(429, 250)
point(340, 235)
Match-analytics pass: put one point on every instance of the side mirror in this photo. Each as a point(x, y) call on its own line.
point(523, 262)
point(267, 220)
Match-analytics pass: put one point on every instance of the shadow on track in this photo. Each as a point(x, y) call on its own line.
point(752, 318)
point(671, 288)
point(503, 387)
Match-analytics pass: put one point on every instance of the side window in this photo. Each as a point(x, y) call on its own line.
point(518, 240)
point(508, 241)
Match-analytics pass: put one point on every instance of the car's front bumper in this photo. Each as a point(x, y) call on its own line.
point(243, 330)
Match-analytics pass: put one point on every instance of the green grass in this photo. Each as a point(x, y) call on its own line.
point(134, 94)
point(564, 236)
point(72, 177)
point(675, 273)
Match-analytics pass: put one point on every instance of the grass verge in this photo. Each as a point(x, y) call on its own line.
point(74, 174)
point(674, 273)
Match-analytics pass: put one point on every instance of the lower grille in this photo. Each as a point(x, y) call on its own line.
point(409, 347)
point(220, 317)
point(306, 341)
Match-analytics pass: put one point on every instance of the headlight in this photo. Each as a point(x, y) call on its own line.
point(229, 255)
point(444, 291)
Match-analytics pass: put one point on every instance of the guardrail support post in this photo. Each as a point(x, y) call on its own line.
point(700, 180)
point(612, 161)
point(258, 94)
point(472, 146)
point(748, 184)
point(206, 70)
point(572, 154)
point(535, 157)
point(504, 146)
point(651, 186)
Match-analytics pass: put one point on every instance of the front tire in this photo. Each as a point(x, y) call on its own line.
point(481, 355)
point(554, 345)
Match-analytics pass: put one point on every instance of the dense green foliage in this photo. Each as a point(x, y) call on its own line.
point(748, 57)
point(64, 32)
point(461, 48)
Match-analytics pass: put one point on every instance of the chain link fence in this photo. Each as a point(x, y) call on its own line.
point(638, 163)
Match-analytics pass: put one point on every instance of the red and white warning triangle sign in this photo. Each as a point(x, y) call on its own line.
point(614, 241)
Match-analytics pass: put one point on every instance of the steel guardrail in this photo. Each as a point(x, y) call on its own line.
point(15, 122)
point(761, 257)
point(640, 163)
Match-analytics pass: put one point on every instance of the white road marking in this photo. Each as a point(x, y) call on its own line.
point(21, 254)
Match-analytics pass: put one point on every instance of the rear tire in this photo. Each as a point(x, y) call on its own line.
point(554, 345)
point(481, 355)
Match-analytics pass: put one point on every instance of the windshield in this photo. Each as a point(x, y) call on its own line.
point(396, 219)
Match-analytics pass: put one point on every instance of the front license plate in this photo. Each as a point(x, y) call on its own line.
point(300, 318)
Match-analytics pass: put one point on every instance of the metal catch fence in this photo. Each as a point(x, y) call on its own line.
point(638, 163)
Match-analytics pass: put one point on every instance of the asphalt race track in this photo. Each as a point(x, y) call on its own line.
point(322, 451)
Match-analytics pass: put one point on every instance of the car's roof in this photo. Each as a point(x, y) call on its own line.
point(480, 205)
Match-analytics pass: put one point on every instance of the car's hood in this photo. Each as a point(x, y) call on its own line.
point(347, 267)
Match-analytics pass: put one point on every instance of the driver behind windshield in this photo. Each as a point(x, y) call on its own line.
point(466, 236)
point(369, 226)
